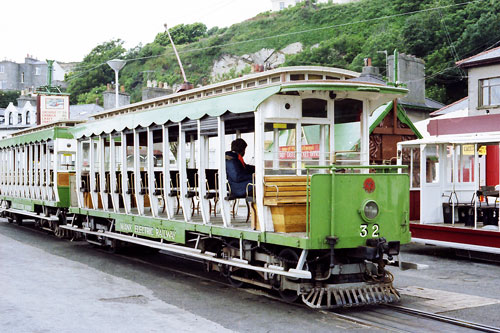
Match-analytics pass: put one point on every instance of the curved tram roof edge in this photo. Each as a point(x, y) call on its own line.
point(236, 102)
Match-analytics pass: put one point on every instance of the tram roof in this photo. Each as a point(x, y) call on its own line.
point(472, 138)
point(242, 101)
point(55, 130)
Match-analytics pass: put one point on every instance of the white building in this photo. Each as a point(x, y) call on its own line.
point(278, 5)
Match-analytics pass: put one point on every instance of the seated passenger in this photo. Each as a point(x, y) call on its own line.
point(239, 174)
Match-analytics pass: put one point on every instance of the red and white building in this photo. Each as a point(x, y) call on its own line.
point(454, 170)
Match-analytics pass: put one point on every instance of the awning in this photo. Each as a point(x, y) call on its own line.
point(48, 134)
point(246, 101)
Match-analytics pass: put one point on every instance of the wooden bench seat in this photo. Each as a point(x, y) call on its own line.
point(287, 197)
point(285, 190)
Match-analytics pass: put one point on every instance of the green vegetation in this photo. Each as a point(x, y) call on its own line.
point(8, 96)
point(335, 35)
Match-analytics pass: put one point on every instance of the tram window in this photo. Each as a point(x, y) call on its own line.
point(315, 148)
point(415, 174)
point(297, 77)
point(466, 162)
point(118, 153)
point(251, 84)
point(315, 108)
point(86, 155)
point(332, 78)
point(450, 168)
point(348, 110)
point(280, 155)
point(314, 77)
point(275, 79)
point(432, 164)
point(66, 161)
point(261, 82)
point(96, 154)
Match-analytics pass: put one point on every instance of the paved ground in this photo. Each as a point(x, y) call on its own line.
point(52, 285)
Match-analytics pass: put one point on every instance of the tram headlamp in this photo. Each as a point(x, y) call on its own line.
point(370, 210)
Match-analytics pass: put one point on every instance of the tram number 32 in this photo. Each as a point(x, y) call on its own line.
point(364, 230)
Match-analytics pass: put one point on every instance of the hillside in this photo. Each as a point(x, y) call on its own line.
point(439, 31)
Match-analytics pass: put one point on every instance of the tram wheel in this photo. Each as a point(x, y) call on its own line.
point(287, 257)
point(229, 272)
point(10, 220)
point(19, 219)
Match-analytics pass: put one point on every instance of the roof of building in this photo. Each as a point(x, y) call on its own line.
point(483, 58)
point(84, 111)
point(455, 106)
point(430, 104)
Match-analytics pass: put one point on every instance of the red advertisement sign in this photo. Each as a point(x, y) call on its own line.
point(308, 152)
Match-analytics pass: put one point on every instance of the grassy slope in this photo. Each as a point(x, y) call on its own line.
point(345, 45)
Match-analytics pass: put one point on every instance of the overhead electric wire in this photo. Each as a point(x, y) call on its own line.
point(302, 31)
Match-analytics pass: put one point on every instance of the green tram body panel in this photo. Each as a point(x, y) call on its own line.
point(29, 204)
point(391, 194)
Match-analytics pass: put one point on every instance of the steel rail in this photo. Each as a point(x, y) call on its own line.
point(445, 319)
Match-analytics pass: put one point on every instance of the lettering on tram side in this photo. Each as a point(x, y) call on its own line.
point(142, 230)
point(152, 232)
point(165, 234)
point(124, 227)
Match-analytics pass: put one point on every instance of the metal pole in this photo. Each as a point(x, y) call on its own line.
point(176, 54)
point(116, 89)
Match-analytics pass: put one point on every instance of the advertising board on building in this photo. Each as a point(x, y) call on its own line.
point(53, 108)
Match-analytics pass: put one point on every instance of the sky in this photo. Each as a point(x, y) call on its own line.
point(68, 30)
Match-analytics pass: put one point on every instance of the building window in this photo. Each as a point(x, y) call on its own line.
point(19, 118)
point(11, 121)
point(28, 118)
point(38, 71)
point(3, 84)
point(282, 5)
point(2, 69)
point(489, 92)
point(22, 77)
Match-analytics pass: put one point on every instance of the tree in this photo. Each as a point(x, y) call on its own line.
point(182, 34)
point(93, 71)
point(8, 96)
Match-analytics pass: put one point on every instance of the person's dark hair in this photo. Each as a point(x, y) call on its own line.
point(238, 146)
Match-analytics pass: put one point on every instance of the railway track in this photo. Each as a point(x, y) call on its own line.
point(393, 318)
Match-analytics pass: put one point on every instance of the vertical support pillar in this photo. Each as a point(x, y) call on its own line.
point(25, 157)
point(322, 145)
point(276, 148)
point(192, 152)
point(102, 172)
point(153, 199)
point(92, 163)
point(298, 148)
point(263, 212)
point(31, 167)
point(78, 166)
point(126, 193)
point(181, 151)
point(139, 198)
point(221, 154)
point(202, 165)
point(365, 136)
point(169, 200)
point(113, 184)
point(476, 182)
point(423, 175)
point(43, 167)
